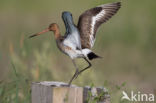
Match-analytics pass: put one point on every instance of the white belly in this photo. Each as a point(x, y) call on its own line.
point(77, 53)
point(74, 53)
point(71, 43)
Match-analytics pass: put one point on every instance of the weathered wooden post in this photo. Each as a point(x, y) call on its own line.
point(59, 92)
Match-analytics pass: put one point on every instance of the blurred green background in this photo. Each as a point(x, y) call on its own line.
point(127, 43)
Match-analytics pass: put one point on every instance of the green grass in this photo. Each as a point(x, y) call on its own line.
point(16, 89)
point(127, 44)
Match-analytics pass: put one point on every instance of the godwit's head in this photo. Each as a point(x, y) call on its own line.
point(52, 27)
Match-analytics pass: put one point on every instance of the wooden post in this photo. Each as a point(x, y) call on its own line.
point(59, 92)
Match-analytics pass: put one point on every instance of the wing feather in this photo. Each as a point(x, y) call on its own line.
point(91, 19)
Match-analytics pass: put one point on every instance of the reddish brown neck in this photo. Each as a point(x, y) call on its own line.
point(57, 34)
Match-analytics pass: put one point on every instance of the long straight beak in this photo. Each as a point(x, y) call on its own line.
point(44, 31)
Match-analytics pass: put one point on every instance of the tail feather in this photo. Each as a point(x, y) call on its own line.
point(92, 55)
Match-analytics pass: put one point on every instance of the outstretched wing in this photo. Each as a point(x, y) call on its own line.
point(91, 19)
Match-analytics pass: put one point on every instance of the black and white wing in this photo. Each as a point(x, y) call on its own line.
point(91, 19)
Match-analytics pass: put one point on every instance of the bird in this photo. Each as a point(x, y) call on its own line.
point(79, 39)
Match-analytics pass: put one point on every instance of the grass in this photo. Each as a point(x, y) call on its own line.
point(16, 89)
point(127, 44)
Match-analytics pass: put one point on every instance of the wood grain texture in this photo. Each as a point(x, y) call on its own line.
point(41, 93)
point(58, 92)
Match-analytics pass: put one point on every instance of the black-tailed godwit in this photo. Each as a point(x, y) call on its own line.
point(78, 40)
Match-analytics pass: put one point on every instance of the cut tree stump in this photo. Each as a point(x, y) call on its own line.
point(59, 92)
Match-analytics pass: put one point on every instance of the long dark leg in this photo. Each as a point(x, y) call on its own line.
point(75, 75)
point(89, 65)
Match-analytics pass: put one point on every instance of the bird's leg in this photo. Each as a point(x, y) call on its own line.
point(76, 73)
point(89, 65)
